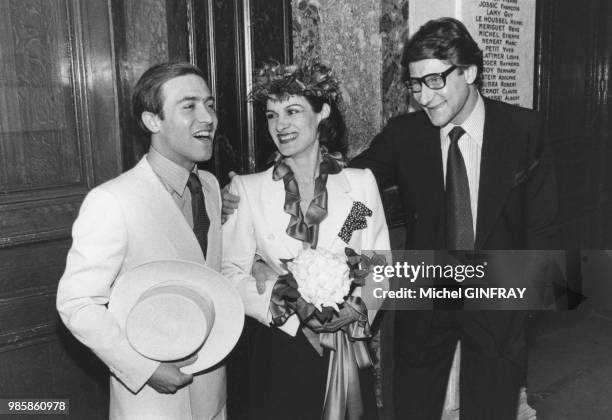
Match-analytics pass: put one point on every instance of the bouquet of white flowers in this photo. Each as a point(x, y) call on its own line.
point(322, 277)
point(318, 283)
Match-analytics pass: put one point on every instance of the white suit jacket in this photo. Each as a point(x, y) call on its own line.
point(258, 227)
point(123, 223)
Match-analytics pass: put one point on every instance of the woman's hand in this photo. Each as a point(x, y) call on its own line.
point(346, 316)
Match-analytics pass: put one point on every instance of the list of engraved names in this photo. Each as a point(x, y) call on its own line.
point(500, 28)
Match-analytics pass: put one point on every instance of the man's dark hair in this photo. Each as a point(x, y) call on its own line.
point(444, 39)
point(147, 95)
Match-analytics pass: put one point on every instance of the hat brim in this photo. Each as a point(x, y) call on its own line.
point(229, 311)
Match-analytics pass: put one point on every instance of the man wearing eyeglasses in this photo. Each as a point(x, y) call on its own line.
point(473, 173)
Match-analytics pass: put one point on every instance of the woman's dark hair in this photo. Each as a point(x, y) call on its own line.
point(444, 39)
point(331, 130)
point(147, 96)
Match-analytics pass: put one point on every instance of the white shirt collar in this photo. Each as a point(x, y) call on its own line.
point(171, 173)
point(473, 125)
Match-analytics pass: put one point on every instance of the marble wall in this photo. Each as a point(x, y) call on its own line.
point(306, 36)
point(362, 40)
point(393, 30)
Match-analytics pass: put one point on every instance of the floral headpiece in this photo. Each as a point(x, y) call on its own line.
point(278, 80)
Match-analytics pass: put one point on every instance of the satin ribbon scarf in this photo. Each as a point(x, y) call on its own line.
point(305, 227)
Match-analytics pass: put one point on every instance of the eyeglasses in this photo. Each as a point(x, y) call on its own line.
point(433, 81)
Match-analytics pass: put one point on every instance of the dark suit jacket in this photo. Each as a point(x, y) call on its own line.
point(517, 198)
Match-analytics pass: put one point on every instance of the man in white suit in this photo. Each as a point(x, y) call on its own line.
point(146, 215)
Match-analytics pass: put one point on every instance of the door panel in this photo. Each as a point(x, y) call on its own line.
point(61, 113)
point(230, 39)
point(59, 137)
point(574, 96)
point(39, 149)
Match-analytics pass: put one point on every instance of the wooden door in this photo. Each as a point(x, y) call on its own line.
point(59, 137)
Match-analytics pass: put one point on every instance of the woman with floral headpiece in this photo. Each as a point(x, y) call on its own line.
point(305, 362)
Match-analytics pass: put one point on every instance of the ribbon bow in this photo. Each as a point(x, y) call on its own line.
point(348, 354)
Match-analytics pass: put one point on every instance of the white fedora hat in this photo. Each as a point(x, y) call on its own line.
point(172, 309)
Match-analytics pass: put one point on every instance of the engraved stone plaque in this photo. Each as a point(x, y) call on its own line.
point(504, 30)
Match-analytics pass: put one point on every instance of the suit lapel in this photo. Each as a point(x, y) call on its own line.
point(171, 222)
point(339, 204)
point(428, 160)
point(272, 195)
point(498, 163)
point(213, 206)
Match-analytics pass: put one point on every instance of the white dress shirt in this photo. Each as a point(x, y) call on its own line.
point(174, 179)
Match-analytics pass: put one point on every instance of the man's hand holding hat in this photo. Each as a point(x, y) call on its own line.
point(168, 378)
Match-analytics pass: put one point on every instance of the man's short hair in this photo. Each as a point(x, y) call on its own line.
point(147, 95)
point(443, 39)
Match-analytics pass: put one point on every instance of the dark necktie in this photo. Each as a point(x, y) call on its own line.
point(201, 222)
point(459, 228)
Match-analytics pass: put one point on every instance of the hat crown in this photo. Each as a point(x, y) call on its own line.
point(170, 321)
